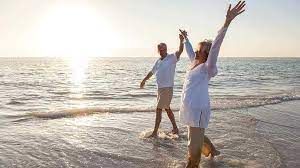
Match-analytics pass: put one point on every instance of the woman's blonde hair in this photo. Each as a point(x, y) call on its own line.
point(207, 43)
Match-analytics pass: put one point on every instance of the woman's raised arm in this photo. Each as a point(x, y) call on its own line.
point(188, 46)
point(216, 45)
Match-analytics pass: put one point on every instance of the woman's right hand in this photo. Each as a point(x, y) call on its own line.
point(183, 33)
point(234, 12)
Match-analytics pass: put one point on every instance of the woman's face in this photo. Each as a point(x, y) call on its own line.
point(202, 51)
point(203, 47)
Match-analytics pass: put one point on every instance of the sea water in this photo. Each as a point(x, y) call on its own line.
point(90, 112)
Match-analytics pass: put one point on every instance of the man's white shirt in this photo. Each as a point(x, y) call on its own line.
point(164, 71)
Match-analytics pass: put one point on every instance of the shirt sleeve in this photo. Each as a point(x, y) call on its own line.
point(214, 53)
point(154, 68)
point(174, 58)
point(189, 50)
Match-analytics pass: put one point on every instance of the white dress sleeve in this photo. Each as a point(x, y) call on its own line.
point(214, 53)
point(189, 50)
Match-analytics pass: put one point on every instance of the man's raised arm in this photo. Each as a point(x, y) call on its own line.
point(180, 50)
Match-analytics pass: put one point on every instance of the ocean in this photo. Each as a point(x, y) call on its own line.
point(62, 112)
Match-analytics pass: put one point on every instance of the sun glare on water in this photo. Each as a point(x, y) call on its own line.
point(78, 67)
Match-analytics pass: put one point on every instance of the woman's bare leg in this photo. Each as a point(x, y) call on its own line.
point(214, 151)
point(195, 143)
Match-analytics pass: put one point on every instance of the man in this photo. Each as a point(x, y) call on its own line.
point(164, 70)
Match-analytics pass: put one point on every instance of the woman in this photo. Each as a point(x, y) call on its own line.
point(195, 103)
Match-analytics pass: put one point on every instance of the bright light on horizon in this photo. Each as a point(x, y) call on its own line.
point(127, 28)
point(75, 31)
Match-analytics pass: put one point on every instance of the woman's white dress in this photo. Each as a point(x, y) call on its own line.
point(195, 102)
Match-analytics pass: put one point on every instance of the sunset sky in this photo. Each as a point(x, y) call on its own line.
point(134, 27)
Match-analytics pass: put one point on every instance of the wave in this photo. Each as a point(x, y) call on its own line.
point(60, 92)
point(74, 113)
point(273, 123)
point(247, 101)
point(236, 103)
point(99, 98)
point(14, 102)
point(66, 113)
point(141, 95)
point(111, 97)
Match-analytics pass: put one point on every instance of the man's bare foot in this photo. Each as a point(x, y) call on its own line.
point(175, 131)
point(153, 135)
point(215, 153)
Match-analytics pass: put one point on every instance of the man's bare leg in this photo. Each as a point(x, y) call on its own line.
point(157, 122)
point(172, 119)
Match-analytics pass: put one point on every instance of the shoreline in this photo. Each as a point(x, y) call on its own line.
point(279, 125)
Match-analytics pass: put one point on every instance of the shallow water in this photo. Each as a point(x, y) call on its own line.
point(281, 130)
point(59, 113)
point(116, 140)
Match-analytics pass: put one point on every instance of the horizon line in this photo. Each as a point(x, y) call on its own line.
point(143, 57)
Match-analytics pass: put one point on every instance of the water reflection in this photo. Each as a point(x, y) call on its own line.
point(78, 68)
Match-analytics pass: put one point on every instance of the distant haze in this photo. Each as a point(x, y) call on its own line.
point(133, 27)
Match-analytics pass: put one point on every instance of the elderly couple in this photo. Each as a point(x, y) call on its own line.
point(195, 102)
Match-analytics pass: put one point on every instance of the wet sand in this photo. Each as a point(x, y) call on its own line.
point(279, 126)
point(266, 136)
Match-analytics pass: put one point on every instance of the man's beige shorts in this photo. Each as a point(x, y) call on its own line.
point(164, 97)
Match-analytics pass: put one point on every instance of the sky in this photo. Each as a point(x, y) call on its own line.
point(32, 28)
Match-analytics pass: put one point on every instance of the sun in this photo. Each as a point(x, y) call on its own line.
point(75, 31)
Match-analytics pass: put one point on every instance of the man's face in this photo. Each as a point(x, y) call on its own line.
point(162, 49)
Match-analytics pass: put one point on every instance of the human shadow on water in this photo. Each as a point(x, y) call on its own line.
point(222, 162)
point(217, 162)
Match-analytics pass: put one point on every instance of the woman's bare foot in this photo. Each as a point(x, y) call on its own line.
point(175, 131)
point(215, 153)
